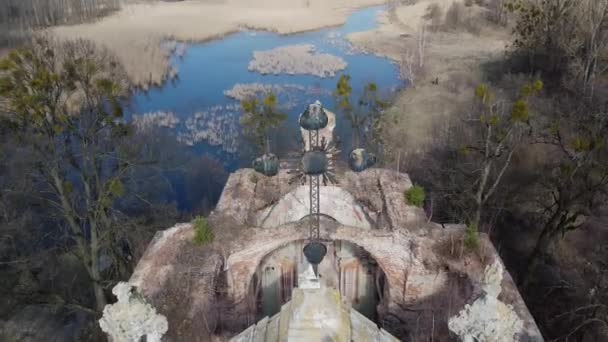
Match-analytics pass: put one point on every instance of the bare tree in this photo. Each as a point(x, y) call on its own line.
point(421, 41)
point(575, 182)
point(19, 17)
point(564, 37)
point(591, 44)
point(63, 102)
point(498, 12)
point(409, 64)
point(498, 129)
point(412, 60)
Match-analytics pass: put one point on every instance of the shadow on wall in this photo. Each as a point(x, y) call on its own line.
point(347, 268)
point(427, 319)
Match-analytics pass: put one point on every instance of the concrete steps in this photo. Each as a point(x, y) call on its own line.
point(315, 314)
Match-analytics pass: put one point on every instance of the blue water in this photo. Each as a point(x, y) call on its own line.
point(208, 69)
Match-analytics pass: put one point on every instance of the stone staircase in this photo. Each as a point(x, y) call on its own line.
point(315, 314)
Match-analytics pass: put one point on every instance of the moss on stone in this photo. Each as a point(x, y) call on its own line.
point(415, 196)
point(202, 231)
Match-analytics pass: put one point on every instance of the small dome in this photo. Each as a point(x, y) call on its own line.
point(314, 163)
point(360, 159)
point(314, 117)
point(268, 165)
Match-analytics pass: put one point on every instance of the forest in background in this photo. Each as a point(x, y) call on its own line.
point(524, 159)
point(18, 18)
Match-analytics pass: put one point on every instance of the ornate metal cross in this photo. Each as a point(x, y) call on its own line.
point(314, 164)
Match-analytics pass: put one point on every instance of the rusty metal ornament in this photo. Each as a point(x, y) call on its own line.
point(314, 163)
point(360, 159)
point(314, 117)
point(314, 252)
point(267, 164)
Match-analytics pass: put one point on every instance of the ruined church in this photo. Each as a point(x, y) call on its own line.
point(313, 250)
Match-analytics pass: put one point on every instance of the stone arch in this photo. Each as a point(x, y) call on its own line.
point(242, 263)
point(347, 267)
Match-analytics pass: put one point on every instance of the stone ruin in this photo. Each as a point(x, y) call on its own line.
point(414, 278)
point(389, 273)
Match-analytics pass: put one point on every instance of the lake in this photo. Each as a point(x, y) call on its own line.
point(208, 119)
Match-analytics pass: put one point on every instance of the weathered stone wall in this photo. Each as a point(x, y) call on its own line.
point(379, 193)
point(178, 278)
point(346, 267)
point(334, 202)
point(382, 194)
point(430, 277)
point(419, 280)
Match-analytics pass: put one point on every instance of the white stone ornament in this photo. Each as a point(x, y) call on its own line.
point(131, 318)
point(488, 319)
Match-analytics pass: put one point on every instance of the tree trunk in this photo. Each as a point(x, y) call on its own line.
point(479, 196)
point(540, 249)
point(477, 218)
point(91, 260)
point(95, 245)
point(100, 297)
point(267, 143)
point(94, 271)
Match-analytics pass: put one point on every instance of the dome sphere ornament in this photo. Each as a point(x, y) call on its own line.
point(360, 159)
point(315, 163)
point(314, 252)
point(314, 117)
point(267, 164)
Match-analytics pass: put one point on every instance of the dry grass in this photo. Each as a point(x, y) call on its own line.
point(296, 59)
point(136, 33)
point(421, 113)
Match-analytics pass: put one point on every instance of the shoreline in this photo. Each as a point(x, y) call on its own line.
point(452, 68)
point(136, 33)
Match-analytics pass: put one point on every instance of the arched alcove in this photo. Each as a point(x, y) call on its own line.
point(347, 268)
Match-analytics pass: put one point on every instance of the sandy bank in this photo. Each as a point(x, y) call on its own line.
point(135, 33)
point(301, 59)
point(454, 59)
